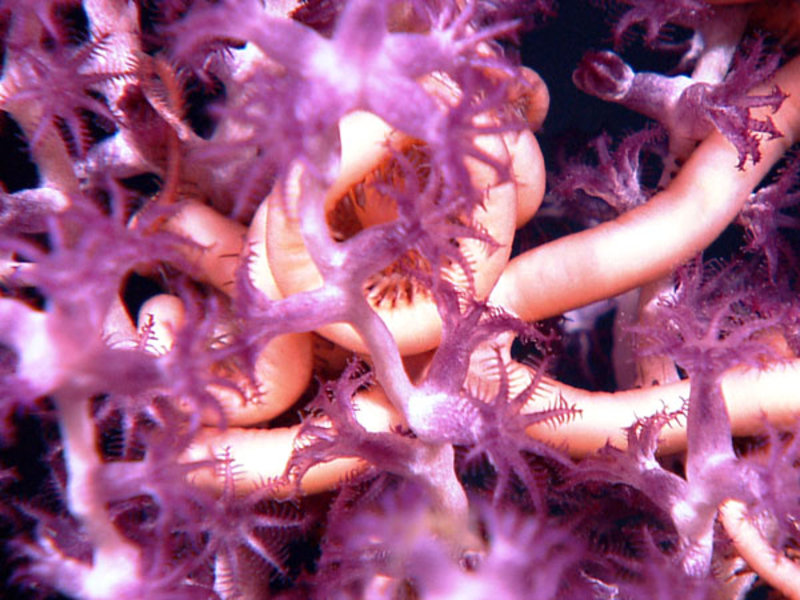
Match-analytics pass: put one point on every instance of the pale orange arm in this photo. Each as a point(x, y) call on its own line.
point(650, 241)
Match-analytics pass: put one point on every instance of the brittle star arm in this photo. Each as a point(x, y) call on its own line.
point(650, 241)
point(778, 570)
point(709, 190)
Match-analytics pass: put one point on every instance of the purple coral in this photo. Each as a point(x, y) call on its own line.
point(132, 111)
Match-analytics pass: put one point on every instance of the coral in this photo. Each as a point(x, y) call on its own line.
point(290, 306)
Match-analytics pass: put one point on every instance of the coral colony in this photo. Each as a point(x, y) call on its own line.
point(294, 307)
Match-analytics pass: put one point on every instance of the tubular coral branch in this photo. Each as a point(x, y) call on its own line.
point(116, 562)
point(671, 228)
